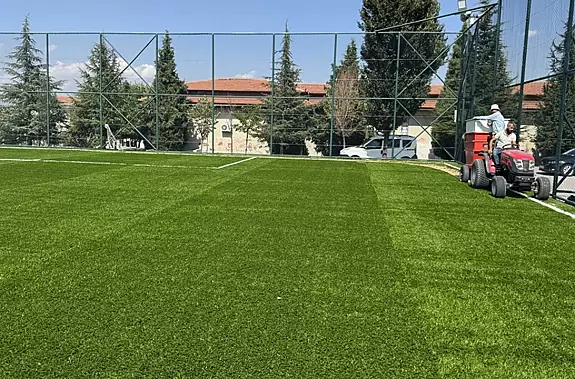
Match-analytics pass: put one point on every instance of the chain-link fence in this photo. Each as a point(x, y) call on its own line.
point(531, 66)
point(229, 93)
point(237, 93)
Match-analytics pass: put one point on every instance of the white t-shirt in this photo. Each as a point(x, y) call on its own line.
point(503, 139)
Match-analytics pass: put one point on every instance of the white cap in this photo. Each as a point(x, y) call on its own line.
point(495, 106)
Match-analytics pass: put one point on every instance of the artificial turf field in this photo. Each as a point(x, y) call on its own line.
point(160, 266)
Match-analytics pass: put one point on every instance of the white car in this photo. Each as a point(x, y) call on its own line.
point(404, 147)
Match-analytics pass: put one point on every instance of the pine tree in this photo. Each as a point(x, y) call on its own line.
point(172, 103)
point(490, 86)
point(99, 91)
point(346, 109)
point(32, 113)
point(291, 118)
point(379, 53)
point(483, 85)
point(547, 116)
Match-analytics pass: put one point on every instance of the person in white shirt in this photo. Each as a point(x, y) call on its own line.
point(503, 138)
point(495, 119)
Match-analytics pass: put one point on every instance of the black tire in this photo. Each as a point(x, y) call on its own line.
point(566, 168)
point(478, 176)
point(464, 173)
point(542, 188)
point(499, 187)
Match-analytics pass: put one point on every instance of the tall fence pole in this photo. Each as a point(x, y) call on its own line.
point(474, 73)
point(399, 36)
point(271, 126)
point(47, 89)
point(332, 117)
point(213, 92)
point(564, 83)
point(497, 38)
point(100, 92)
point(523, 68)
point(157, 86)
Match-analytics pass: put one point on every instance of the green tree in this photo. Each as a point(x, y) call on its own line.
point(172, 102)
point(99, 100)
point(343, 104)
point(200, 116)
point(490, 86)
point(444, 128)
point(484, 86)
point(379, 53)
point(547, 116)
point(249, 119)
point(286, 117)
point(32, 113)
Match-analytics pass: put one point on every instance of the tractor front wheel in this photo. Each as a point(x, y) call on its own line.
point(542, 188)
point(499, 187)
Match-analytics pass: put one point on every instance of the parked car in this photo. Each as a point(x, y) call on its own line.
point(566, 162)
point(404, 147)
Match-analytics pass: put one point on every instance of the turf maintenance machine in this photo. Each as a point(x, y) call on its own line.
point(516, 170)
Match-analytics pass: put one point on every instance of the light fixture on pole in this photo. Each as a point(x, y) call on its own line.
point(461, 7)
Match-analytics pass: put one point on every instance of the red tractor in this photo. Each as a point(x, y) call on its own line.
point(516, 169)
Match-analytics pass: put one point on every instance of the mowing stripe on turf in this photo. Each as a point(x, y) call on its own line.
point(97, 163)
point(233, 163)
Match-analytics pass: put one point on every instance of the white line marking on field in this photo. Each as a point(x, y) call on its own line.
point(552, 207)
point(559, 210)
point(234, 163)
point(96, 163)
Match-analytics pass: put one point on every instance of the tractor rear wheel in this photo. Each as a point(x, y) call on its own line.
point(464, 173)
point(478, 174)
point(542, 188)
point(499, 187)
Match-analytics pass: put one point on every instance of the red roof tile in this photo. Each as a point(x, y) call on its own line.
point(250, 85)
point(243, 100)
point(260, 87)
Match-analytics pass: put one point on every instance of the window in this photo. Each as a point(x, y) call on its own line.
point(373, 144)
point(396, 142)
point(409, 143)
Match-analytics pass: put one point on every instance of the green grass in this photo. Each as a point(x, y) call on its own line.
point(275, 268)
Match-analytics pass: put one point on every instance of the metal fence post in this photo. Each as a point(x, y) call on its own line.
point(213, 92)
point(497, 37)
point(271, 126)
point(523, 67)
point(100, 92)
point(399, 36)
point(47, 89)
point(564, 83)
point(157, 84)
point(332, 117)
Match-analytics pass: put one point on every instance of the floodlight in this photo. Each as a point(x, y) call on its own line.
point(461, 5)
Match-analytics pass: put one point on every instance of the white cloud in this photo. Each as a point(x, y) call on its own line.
point(247, 75)
point(532, 33)
point(70, 72)
point(52, 47)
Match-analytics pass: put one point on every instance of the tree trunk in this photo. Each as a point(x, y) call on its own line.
point(343, 138)
point(247, 137)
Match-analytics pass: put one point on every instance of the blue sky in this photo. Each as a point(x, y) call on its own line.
point(242, 56)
